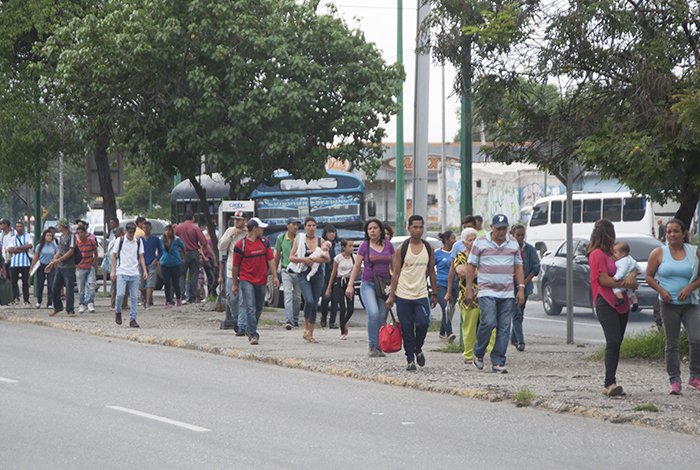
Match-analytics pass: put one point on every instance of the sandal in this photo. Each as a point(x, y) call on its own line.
point(613, 390)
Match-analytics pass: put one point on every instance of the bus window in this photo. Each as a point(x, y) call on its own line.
point(555, 215)
point(633, 209)
point(540, 214)
point(591, 210)
point(577, 212)
point(612, 209)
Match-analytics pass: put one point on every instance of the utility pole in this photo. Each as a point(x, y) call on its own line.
point(443, 163)
point(420, 127)
point(570, 252)
point(400, 177)
point(60, 185)
point(465, 154)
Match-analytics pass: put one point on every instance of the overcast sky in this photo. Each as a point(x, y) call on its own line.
point(377, 18)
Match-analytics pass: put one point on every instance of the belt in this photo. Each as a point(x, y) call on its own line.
point(191, 251)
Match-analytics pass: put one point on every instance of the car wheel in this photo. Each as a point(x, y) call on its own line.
point(272, 295)
point(550, 307)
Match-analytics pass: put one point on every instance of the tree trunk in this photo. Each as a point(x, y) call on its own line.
point(109, 201)
point(689, 203)
point(202, 193)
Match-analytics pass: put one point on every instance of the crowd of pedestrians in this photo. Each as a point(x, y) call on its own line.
point(486, 274)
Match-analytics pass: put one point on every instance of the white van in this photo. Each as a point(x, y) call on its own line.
point(547, 226)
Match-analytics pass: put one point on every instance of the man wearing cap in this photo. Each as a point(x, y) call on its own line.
point(227, 242)
point(64, 264)
point(193, 238)
point(20, 249)
point(290, 279)
point(252, 257)
point(127, 257)
point(497, 257)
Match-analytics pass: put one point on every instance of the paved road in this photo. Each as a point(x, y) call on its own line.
point(77, 401)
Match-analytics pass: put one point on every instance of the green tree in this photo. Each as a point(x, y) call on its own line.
point(255, 85)
point(139, 190)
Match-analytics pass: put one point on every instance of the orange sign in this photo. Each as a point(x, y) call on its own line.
point(335, 164)
point(433, 162)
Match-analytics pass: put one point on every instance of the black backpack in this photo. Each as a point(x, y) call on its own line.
point(119, 251)
point(77, 255)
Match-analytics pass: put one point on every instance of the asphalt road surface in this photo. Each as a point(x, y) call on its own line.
point(77, 401)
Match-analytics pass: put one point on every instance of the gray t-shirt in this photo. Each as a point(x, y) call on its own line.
point(67, 242)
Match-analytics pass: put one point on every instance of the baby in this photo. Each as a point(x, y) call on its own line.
point(323, 248)
point(625, 264)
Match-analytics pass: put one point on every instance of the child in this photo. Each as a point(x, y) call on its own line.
point(338, 282)
point(625, 264)
point(323, 248)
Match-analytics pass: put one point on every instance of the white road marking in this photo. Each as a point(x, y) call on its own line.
point(8, 381)
point(408, 423)
point(191, 427)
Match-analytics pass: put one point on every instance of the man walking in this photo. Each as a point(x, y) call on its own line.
point(252, 257)
point(290, 279)
point(226, 245)
point(86, 270)
point(152, 252)
point(127, 256)
point(20, 249)
point(64, 263)
point(413, 264)
point(193, 238)
point(497, 256)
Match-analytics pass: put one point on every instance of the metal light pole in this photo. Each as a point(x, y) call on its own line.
point(443, 162)
point(400, 177)
point(569, 252)
point(420, 127)
point(465, 154)
point(60, 185)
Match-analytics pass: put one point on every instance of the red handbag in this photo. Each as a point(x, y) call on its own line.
point(390, 338)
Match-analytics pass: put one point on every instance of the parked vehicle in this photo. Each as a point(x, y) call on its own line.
point(552, 278)
point(547, 225)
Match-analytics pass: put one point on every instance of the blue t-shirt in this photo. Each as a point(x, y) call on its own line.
point(47, 252)
point(457, 247)
point(443, 262)
point(152, 249)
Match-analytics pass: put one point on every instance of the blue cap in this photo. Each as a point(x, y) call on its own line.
point(499, 221)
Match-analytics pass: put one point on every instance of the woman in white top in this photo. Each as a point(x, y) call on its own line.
point(338, 282)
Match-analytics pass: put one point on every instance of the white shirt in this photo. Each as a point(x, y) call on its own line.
point(5, 243)
point(344, 265)
point(21, 260)
point(128, 260)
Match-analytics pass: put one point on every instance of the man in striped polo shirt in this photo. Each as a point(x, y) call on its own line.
point(497, 257)
point(20, 248)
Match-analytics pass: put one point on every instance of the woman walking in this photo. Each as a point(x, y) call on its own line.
point(375, 253)
point(613, 318)
point(170, 265)
point(43, 254)
point(531, 268)
point(301, 260)
point(469, 310)
point(443, 264)
point(330, 235)
point(672, 271)
point(338, 283)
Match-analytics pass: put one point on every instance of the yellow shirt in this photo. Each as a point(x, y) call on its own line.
point(412, 280)
point(138, 233)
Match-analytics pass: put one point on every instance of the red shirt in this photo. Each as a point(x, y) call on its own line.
point(191, 235)
point(88, 251)
point(599, 262)
point(253, 263)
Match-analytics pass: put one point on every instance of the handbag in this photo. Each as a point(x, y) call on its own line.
point(390, 337)
point(381, 285)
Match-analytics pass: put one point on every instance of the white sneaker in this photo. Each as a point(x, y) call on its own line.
point(81, 309)
point(91, 308)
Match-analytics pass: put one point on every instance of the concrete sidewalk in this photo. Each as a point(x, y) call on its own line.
point(563, 378)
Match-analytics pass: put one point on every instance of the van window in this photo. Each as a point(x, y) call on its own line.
point(612, 209)
point(577, 212)
point(591, 210)
point(633, 209)
point(540, 214)
point(555, 216)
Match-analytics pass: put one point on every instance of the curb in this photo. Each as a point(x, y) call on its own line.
point(294, 363)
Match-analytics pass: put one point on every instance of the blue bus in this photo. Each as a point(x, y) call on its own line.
point(338, 199)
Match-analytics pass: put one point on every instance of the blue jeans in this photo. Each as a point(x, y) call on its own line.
point(414, 316)
point(234, 305)
point(495, 313)
point(171, 280)
point(133, 283)
point(311, 291)
point(376, 312)
point(86, 286)
point(65, 277)
point(516, 334)
point(292, 296)
point(446, 324)
point(252, 300)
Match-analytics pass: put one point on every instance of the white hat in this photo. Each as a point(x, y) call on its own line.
point(255, 222)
